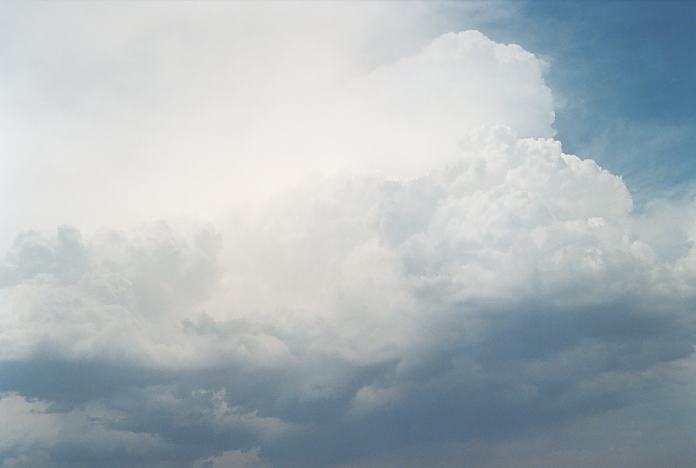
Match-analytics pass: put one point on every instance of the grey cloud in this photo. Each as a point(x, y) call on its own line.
point(403, 331)
point(493, 305)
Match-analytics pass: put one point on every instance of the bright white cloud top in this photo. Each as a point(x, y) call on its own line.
point(418, 276)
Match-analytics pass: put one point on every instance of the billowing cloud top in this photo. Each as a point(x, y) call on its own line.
point(458, 292)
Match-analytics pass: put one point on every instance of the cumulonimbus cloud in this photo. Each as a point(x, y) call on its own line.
point(495, 288)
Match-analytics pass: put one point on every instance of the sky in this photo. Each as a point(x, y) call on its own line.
point(624, 74)
point(347, 234)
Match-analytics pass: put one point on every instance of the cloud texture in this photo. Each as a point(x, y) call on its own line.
point(462, 294)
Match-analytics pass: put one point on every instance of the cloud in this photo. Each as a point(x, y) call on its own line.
point(234, 458)
point(183, 109)
point(464, 291)
point(32, 432)
point(490, 299)
point(409, 113)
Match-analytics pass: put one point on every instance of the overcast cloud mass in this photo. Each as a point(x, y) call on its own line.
point(322, 235)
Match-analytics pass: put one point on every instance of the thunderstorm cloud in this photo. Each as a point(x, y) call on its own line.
point(392, 262)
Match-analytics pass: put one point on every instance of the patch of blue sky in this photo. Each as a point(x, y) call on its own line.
point(623, 75)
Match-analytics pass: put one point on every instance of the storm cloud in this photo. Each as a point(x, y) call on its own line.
point(433, 283)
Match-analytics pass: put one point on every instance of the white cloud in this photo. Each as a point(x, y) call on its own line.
point(145, 111)
point(31, 428)
point(418, 106)
point(518, 279)
point(462, 282)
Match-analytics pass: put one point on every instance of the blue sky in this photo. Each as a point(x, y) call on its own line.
point(624, 76)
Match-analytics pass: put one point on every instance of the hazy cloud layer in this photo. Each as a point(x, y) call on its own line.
point(121, 113)
point(464, 293)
